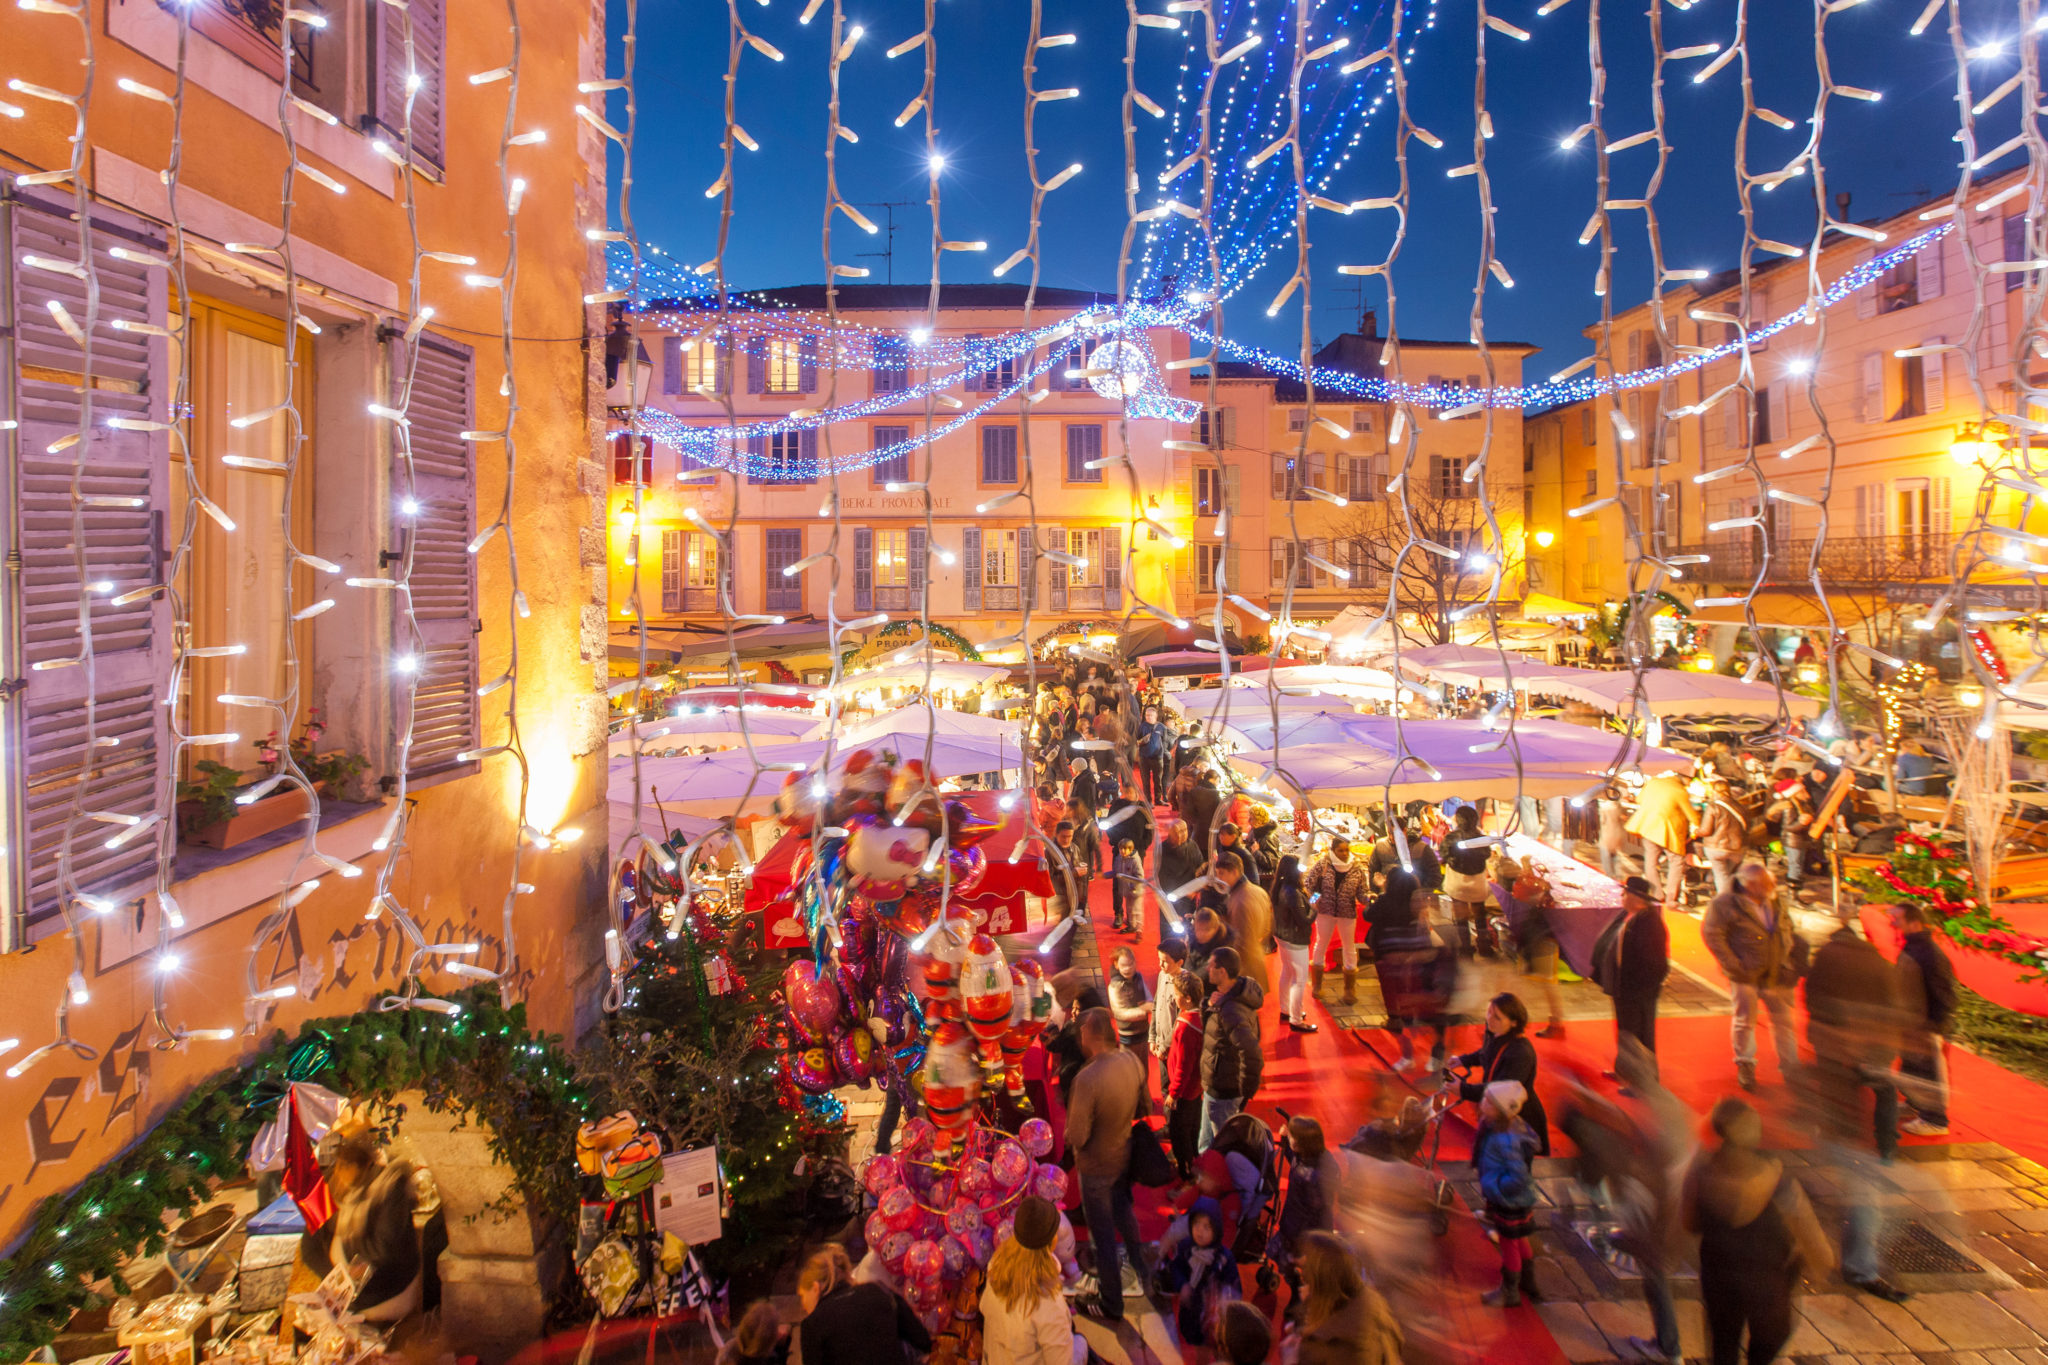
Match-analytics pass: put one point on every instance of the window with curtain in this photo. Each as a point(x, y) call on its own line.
point(785, 365)
point(892, 559)
point(785, 452)
point(705, 372)
point(235, 589)
point(999, 559)
point(689, 571)
point(1087, 545)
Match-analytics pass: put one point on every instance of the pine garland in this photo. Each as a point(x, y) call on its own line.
point(1932, 871)
point(484, 1061)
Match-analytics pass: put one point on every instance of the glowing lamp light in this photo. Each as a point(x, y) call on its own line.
point(1704, 661)
point(1972, 450)
point(1545, 539)
point(1968, 696)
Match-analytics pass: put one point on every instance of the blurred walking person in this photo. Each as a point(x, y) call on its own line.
point(1642, 959)
point(1927, 1001)
point(1753, 940)
point(1757, 1234)
point(1294, 927)
point(1663, 821)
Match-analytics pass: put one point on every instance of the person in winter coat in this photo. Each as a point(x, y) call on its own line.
point(1166, 1002)
point(1153, 740)
point(1464, 871)
point(1250, 912)
point(1852, 1022)
point(1753, 941)
point(1344, 1320)
point(1663, 821)
point(1501, 1152)
point(1337, 888)
point(1127, 890)
point(1642, 959)
point(1129, 1002)
point(1411, 963)
point(1232, 1061)
point(1723, 834)
point(1927, 1008)
point(852, 1324)
point(1613, 831)
point(1024, 1316)
point(1294, 927)
point(1757, 1235)
point(1508, 1055)
point(1791, 808)
point(1199, 809)
point(1524, 898)
point(1179, 861)
point(1184, 1075)
point(1313, 1187)
point(1264, 847)
point(1108, 1096)
point(1207, 932)
point(1201, 1275)
point(759, 1339)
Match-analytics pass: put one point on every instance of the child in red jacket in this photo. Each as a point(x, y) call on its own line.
point(1184, 1077)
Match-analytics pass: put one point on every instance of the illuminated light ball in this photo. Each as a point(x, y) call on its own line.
point(1005, 1229)
point(894, 1248)
point(963, 1218)
point(1010, 1166)
point(1129, 366)
point(982, 1244)
point(880, 1175)
point(924, 1264)
point(974, 1179)
point(986, 992)
point(952, 1082)
point(876, 1228)
point(899, 1209)
point(811, 1069)
point(881, 859)
point(1051, 1182)
point(943, 1193)
point(1035, 1137)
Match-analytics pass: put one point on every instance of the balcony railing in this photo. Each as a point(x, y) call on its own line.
point(1844, 560)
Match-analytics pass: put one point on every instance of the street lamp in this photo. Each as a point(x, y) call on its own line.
point(1971, 448)
point(1545, 539)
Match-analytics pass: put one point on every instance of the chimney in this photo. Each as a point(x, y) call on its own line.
point(1368, 324)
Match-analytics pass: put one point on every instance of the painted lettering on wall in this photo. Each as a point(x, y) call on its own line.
point(906, 503)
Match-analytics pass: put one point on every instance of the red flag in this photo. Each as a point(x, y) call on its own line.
point(303, 1179)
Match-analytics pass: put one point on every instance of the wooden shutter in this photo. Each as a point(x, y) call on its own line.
point(971, 569)
point(807, 364)
point(1779, 417)
point(444, 709)
point(757, 454)
point(1112, 566)
point(807, 455)
point(1184, 573)
point(1318, 471)
point(389, 69)
point(1866, 297)
point(1056, 572)
point(1734, 415)
point(1230, 575)
point(757, 365)
point(1276, 550)
point(671, 569)
point(1231, 485)
point(919, 562)
point(1933, 377)
point(1027, 570)
point(44, 707)
point(671, 365)
point(863, 569)
point(1930, 282)
point(1941, 514)
point(1873, 387)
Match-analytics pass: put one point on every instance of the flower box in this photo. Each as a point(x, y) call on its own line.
point(1992, 977)
point(252, 821)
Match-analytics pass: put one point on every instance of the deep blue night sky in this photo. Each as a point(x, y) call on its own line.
point(1885, 155)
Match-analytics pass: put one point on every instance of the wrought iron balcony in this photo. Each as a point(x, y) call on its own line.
point(1845, 560)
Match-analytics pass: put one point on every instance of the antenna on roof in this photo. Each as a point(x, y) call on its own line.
point(888, 251)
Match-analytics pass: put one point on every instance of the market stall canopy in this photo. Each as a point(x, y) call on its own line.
point(1159, 637)
point(653, 821)
point(754, 643)
point(954, 677)
point(1555, 759)
point(907, 726)
point(1216, 706)
point(1254, 729)
point(709, 784)
point(1539, 606)
point(1337, 680)
point(1778, 610)
point(1666, 691)
point(790, 696)
point(718, 726)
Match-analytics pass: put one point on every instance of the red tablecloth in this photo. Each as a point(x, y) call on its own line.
point(997, 905)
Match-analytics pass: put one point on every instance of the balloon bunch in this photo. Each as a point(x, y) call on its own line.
point(941, 1209)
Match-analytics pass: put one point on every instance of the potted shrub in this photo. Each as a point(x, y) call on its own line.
point(210, 816)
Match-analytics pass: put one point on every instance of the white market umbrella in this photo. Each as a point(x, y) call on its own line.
point(709, 784)
point(1555, 760)
point(1336, 680)
point(909, 725)
point(958, 677)
point(1666, 691)
point(720, 727)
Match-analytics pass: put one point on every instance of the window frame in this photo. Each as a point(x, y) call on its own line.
point(779, 592)
point(782, 366)
point(893, 468)
point(1073, 474)
point(901, 564)
point(1016, 457)
point(1000, 534)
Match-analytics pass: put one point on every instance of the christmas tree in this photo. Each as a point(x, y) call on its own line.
point(1929, 869)
point(692, 1053)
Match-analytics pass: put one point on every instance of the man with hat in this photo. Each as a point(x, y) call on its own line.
point(1642, 959)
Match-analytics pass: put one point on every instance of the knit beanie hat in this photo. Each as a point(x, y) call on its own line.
point(1038, 1222)
point(1507, 1096)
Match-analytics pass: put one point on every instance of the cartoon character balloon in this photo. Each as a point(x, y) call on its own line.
point(882, 858)
point(812, 1000)
point(952, 1082)
point(940, 967)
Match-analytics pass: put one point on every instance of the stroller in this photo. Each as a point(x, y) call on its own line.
point(1269, 1155)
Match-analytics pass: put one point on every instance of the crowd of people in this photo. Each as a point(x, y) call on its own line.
point(1242, 909)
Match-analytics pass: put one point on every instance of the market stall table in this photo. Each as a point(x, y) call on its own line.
point(1583, 900)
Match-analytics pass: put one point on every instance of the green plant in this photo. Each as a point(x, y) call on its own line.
point(341, 771)
point(213, 790)
point(484, 1062)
